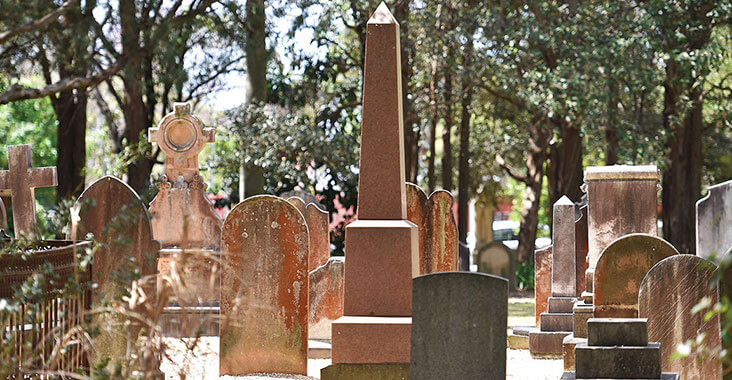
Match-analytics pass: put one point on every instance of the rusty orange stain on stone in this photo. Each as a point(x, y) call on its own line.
point(438, 242)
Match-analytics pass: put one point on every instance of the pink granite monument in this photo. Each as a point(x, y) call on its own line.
point(381, 246)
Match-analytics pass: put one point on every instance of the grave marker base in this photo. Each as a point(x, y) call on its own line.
point(389, 371)
point(372, 340)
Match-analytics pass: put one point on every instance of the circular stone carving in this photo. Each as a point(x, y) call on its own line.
point(180, 135)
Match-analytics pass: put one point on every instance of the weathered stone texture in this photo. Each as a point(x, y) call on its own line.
point(326, 297)
point(264, 289)
point(318, 227)
point(622, 200)
point(581, 249)
point(725, 290)
point(620, 271)
point(564, 269)
point(111, 211)
point(714, 221)
point(21, 179)
point(542, 281)
point(667, 297)
point(458, 326)
point(438, 242)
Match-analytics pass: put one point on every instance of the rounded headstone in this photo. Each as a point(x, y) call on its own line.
point(667, 298)
point(459, 326)
point(620, 271)
point(264, 289)
point(438, 241)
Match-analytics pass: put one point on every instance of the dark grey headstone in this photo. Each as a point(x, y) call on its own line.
point(459, 326)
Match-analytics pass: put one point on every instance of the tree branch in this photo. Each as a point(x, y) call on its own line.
point(511, 171)
point(47, 19)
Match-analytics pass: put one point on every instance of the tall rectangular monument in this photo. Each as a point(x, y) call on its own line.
point(381, 246)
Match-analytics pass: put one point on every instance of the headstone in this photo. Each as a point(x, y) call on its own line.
point(580, 249)
point(714, 221)
point(556, 323)
point(438, 242)
point(564, 269)
point(725, 291)
point(3, 216)
point(326, 297)
point(264, 289)
point(667, 297)
point(382, 248)
point(318, 228)
point(542, 281)
point(305, 196)
point(183, 217)
point(622, 200)
point(22, 179)
point(497, 259)
point(116, 216)
point(459, 326)
point(620, 270)
point(483, 222)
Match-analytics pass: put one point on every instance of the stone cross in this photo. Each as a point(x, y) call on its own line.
point(22, 179)
point(181, 136)
point(564, 270)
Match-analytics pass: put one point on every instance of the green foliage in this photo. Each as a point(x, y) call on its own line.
point(525, 275)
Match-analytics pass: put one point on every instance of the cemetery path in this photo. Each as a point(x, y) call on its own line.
point(203, 363)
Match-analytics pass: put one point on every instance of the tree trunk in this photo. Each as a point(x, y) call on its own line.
point(251, 178)
point(70, 111)
point(565, 173)
point(411, 137)
point(611, 129)
point(449, 121)
point(431, 180)
point(682, 176)
point(465, 103)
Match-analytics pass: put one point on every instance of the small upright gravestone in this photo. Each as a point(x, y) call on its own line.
point(264, 289)
point(667, 297)
point(318, 222)
point(459, 326)
point(111, 211)
point(326, 297)
point(497, 259)
point(714, 221)
point(22, 179)
point(542, 281)
point(620, 271)
point(438, 242)
point(725, 290)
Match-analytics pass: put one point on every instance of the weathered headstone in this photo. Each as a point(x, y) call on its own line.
point(459, 326)
point(116, 216)
point(326, 297)
point(714, 221)
point(483, 223)
point(497, 259)
point(183, 216)
point(264, 289)
point(667, 298)
point(382, 248)
point(21, 179)
point(620, 271)
point(542, 281)
point(725, 291)
point(318, 223)
point(556, 323)
point(438, 242)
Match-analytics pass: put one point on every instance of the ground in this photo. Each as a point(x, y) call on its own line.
point(203, 362)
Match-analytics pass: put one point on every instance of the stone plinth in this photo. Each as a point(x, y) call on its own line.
point(620, 271)
point(326, 297)
point(568, 345)
point(714, 221)
point(371, 340)
point(554, 327)
point(264, 289)
point(458, 326)
point(667, 297)
point(542, 281)
point(622, 200)
point(21, 179)
point(581, 313)
point(438, 242)
point(390, 371)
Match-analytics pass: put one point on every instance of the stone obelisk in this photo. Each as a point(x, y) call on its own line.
point(381, 246)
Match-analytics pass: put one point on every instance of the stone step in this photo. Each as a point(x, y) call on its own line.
point(556, 322)
point(618, 362)
point(568, 345)
point(617, 332)
point(587, 296)
point(582, 312)
point(570, 375)
point(523, 330)
point(546, 344)
point(561, 304)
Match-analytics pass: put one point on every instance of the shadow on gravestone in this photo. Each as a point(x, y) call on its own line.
point(497, 259)
point(667, 297)
point(620, 271)
point(714, 221)
point(116, 216)
point(264, 289)
point(459, 326)
point(438, 241)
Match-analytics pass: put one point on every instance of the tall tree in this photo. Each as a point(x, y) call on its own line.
point(466, 100)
